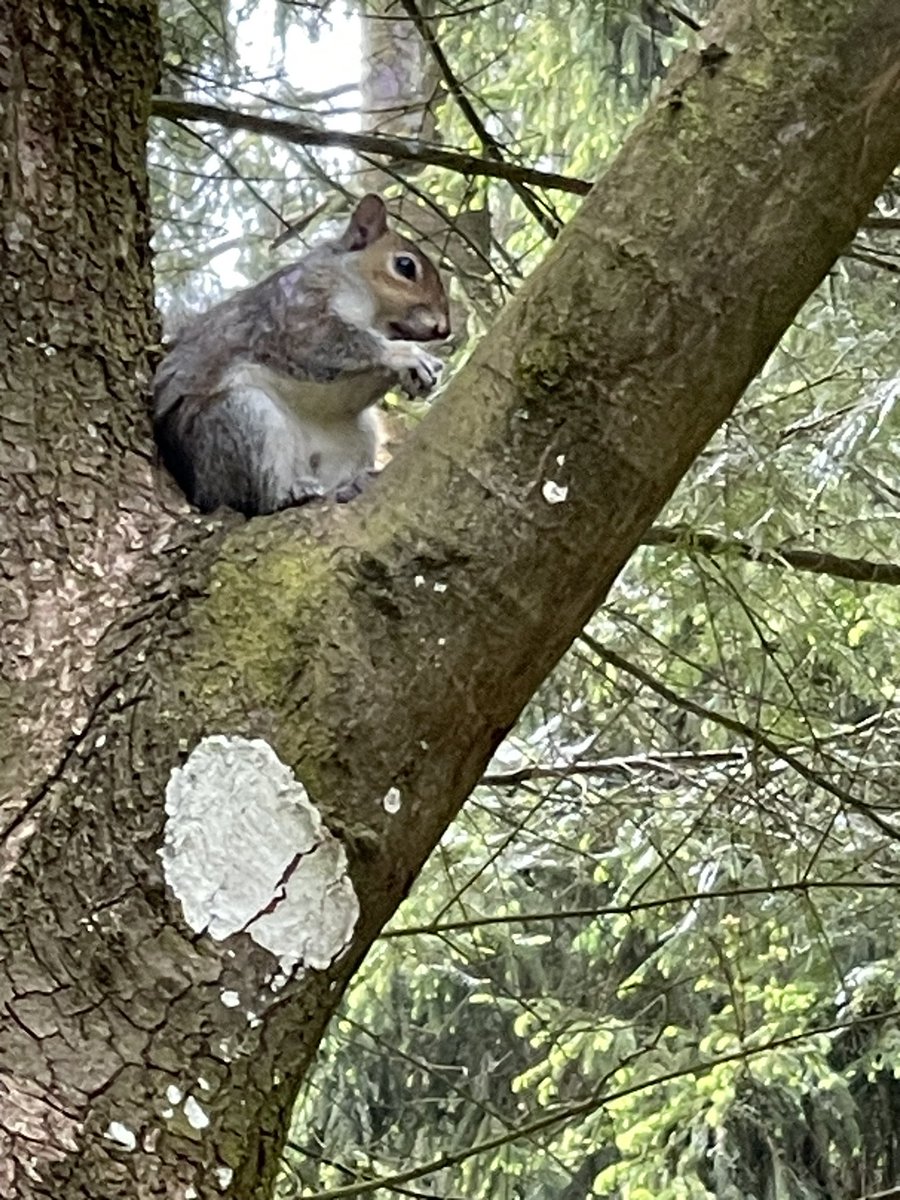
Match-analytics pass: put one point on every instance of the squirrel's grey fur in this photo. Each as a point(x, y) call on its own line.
point(266, 399)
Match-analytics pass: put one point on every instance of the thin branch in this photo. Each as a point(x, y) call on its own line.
point(309, 1152)
point(384, 1047)
point(235, 172)
point(860, 570)
point(873, 260)
point(302, 134)
point(489, 144)
point(802, 886)
point(757, 736)
point(626, 764)
point(448, 14)
point(301, 102)
point(680, 15)
point(201, 258)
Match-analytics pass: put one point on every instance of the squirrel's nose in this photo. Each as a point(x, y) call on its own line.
point(441, 327)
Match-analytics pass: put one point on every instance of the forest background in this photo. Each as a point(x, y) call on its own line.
point(655, 956)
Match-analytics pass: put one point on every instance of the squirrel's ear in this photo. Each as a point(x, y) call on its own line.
point(367, 225)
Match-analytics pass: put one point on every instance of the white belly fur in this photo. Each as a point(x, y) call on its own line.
point(311, 433)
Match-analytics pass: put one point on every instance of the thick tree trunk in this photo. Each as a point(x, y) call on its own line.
point(313, 695)
point(78, 324)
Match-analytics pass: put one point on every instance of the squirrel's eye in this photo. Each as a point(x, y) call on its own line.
point(405, 266)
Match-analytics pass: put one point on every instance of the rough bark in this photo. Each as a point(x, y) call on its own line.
point(328, 684)
point(76, 307)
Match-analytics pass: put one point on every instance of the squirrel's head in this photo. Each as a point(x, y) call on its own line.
point(409, 297)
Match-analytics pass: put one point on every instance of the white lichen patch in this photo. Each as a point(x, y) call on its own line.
point(554, 493)
point(392, 800)
point(174, 1094)
point(246, 850)
point(125, 1137)
point(224, 1176)
point(196, 1117)
point(229, 998)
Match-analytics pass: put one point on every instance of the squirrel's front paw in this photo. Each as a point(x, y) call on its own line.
point(349, 491)
point(423, 375)
point(418, 370)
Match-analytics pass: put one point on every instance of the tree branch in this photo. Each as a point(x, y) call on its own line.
point(818, 562)
point(682, 16)
point(873, 260)
point(300, 133)
point(801, 887)
point(668, 761)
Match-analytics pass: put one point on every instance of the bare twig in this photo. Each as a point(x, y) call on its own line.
point(874, 260)
point(666, 762)
point(680, 15)
point(860, 570)
point(235, 173)
point(800, 887)
point(302, 134)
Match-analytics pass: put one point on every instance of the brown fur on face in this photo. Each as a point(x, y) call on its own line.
point(415, 307)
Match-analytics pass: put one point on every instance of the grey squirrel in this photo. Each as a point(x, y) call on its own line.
point(266, 400)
